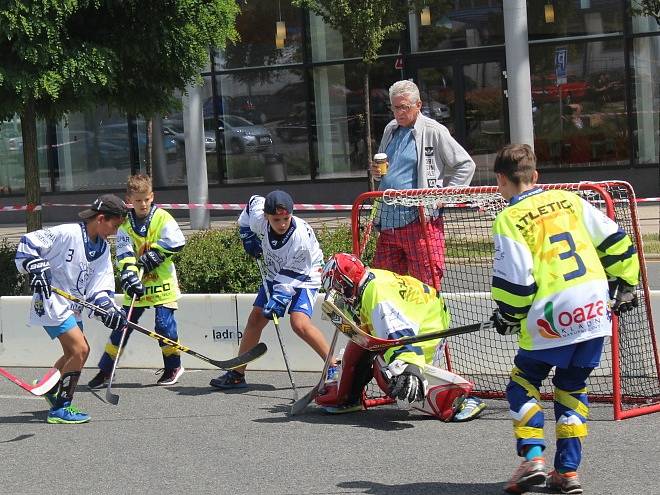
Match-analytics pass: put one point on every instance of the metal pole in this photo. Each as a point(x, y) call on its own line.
point(521, 124)
point(198, 184)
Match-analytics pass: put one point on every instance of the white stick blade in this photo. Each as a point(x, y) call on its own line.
point(48, 381)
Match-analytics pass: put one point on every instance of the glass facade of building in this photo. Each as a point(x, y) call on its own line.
point(286, 103)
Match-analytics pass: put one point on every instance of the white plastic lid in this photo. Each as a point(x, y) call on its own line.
point(380, 156)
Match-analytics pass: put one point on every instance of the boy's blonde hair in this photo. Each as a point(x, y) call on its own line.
point(517, 162)
point(138, 183)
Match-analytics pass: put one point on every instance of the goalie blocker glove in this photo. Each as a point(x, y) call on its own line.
point(505, 325)
point(150, 260)
point(251, 242)
point(110, 315)
point(407, 381)
point(624, 297)
point(131, 284)
point(39, 275)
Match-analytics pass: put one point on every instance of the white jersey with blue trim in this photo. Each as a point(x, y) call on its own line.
point(78, 265)
point(294, 259)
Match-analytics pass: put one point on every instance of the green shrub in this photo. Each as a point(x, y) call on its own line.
point(213, 261)
point(11, 282)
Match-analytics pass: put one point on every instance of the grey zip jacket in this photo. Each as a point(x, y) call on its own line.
point(437, 150)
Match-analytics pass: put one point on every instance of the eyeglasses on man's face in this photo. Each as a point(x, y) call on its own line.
point(403, 108)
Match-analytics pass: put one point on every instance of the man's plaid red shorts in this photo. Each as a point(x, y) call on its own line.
point(405, 250)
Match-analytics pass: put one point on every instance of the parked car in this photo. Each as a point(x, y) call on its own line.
point(240, 135)
point(176, 133)
point(546, 90)
point(436, 110)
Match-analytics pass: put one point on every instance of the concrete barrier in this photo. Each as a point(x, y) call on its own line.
point(210, 324)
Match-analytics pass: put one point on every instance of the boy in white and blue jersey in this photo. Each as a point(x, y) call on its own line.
point(293, 261)
point(79, 256)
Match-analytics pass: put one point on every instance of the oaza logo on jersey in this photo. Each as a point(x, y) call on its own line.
point(566, 323)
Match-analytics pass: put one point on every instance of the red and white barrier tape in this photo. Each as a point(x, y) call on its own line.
point(186, 206)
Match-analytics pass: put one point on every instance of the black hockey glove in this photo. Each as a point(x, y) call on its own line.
point(505, 325)
point(110, 315)
point(131, 284)
point(39, 275)
point(150, 260)
point(624, 297)
point(409, 385)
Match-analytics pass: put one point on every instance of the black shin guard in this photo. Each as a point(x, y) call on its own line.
point(67, 387)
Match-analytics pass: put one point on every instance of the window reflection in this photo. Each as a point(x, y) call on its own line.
point(93, 151)
point(340, 120)
point(256, 25)
point(580, 119)
point(329, 44)
point(646, 99)
point(257, 126)
point(461, 25)
point(561, 18)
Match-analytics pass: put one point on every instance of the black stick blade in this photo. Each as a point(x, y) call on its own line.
point(111, 398)
point(256, 352)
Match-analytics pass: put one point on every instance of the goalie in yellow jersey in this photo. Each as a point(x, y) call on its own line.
point(390, 306)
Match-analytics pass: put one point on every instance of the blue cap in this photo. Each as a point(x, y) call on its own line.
point(278, 200)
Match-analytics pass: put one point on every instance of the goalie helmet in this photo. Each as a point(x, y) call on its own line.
point(344, 273)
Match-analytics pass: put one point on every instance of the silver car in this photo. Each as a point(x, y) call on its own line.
point(241, 135)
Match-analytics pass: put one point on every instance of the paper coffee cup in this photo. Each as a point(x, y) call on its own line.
point(380, 159)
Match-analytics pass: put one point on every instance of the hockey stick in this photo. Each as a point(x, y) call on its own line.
point(109, 396)
point(48, 381)
point(301, 404)
point(367, 341)
point(276, 322)
point(256, 352)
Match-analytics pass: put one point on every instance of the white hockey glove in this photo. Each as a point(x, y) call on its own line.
point(407, 381)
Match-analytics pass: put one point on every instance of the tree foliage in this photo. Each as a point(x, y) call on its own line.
point(65, 56)
point(59, 57)
point(366, 24)
point(646, 7)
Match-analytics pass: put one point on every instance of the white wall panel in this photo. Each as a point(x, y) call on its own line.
point(208, 324)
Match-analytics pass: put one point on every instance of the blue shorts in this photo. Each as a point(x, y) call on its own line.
point(583, 355)
point(301, 302)
point(62, 328)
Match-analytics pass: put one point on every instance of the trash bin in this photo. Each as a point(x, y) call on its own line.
point(275, 168)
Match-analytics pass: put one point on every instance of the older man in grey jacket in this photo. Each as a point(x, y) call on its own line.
point(422, 154)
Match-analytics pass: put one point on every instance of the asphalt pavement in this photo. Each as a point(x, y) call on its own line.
point(191, 439)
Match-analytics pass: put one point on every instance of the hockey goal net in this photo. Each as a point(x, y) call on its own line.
point(628, 376)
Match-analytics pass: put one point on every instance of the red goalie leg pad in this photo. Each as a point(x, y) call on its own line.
point(355, 374)
point(329, 396)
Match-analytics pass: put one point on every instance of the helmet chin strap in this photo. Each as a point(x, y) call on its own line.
point(368, 277)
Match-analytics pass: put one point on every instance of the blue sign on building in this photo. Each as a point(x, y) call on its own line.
point(561, 58)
